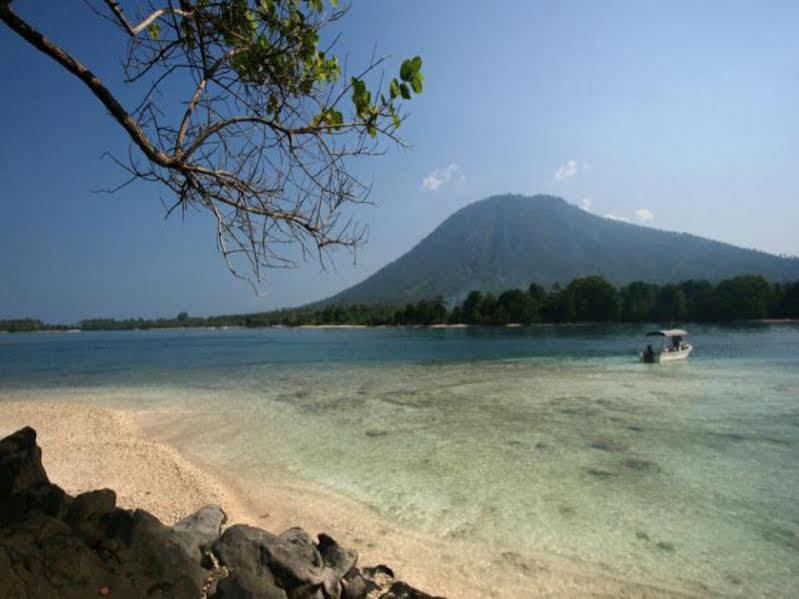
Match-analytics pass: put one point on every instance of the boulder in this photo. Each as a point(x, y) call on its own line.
point(152, 555)
point(355, 586)
point(337, 561)
point(289, 560)
point(243, 584)
point(20, 462)
point(44, 497)
point(91, 505)
point(197, 532)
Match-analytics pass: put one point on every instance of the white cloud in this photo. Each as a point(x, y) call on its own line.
point(440, 176)
point(567, 170)
point(585, 204)
point(644, 215)
point(623, 219)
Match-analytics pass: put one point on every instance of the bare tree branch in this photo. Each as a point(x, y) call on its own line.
point(148, 20)
point(268, 132)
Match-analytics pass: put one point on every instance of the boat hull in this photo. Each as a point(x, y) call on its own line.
point(667, 356)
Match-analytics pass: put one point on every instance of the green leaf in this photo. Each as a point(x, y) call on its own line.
point(406, 93)
point(372, 130)
point(273, 106)
point(416, 83)
point(406, 70)
point(154, 30)
point(410, 67)
point(395, 91)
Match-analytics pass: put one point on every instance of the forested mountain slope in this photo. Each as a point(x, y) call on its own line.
point(510, 241)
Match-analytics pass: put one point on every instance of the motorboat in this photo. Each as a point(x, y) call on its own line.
point(672, 347)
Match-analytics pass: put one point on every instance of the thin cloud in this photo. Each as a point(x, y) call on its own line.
point(585, 204)
point(645, 215)
point(441, 176)
point(567, 171)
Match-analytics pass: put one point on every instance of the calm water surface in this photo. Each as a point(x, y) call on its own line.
point(543, 439)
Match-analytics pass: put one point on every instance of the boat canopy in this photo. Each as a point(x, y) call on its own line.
point(668, 333)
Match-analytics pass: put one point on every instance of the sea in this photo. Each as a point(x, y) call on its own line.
point(543, 439)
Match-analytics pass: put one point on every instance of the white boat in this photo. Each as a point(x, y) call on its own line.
point(673, 348)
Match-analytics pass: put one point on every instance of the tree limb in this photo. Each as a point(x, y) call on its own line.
point(149, 20)
point(41, 43)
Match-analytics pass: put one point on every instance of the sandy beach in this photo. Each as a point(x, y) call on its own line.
point(87, 447)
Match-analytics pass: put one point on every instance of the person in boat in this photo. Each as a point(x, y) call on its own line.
point(649, 353)
point(676, 343)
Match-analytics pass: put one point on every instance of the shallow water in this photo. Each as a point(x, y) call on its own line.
point(535, 440)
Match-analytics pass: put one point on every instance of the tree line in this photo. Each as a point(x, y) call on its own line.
point(585, 299)
point(593, 299)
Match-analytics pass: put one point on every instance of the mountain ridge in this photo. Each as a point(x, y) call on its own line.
point(507, 241)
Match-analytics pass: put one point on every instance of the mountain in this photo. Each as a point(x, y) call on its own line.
point(510, 241)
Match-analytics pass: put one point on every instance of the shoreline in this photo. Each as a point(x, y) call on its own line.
point(139, 455)
point(460, 325)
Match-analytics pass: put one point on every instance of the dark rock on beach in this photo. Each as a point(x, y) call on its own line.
point(20, 462)
point(53, 545)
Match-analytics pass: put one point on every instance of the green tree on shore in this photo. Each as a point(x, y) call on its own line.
point(595, 300)
point(638, 301)
point(670, 304)
point(746, 296)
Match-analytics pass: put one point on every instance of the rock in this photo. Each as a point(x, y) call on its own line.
point(337, 562)
point(294, 555)
point(243, 584)
point(91, 505)
point(133, 555)
point(239, 547)
point(20, 462)
point(401, 590)
point(381, 584)
point(198, 531)
point(40, 557)
point(665, 546)
point(355, 586)
point(335, 557)
point(46, 498)
point(290, 559)
point(151, 552)
point(381, 570)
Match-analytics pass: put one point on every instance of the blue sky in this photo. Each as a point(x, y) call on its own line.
point(677, 115)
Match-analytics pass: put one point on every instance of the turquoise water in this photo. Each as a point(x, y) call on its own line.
point(529, 441)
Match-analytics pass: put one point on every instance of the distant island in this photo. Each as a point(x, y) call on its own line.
point(507, 241)
point(585, 299)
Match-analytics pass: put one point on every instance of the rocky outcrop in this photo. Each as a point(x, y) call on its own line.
point(53, 545)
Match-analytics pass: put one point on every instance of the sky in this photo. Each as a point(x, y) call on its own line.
point(676, 115)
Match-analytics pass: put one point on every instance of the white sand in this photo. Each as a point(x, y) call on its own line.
point(86, 447)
